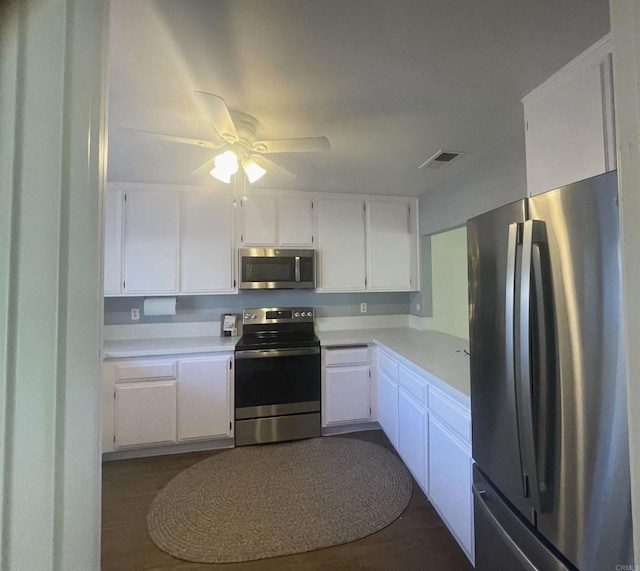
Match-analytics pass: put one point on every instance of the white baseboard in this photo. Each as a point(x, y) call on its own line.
point(347, 428)
point(181, 448)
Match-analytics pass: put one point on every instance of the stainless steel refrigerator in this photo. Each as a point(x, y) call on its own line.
point(548, 397)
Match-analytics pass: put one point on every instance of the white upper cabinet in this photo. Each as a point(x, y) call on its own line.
point(389, 240)
point(152, 241)
point(295, 222)
point(113, 200)
point(168, 240)
point(259, 221)
point(270, 221)
point(161, 240)
point(341, 244)
point(206, 245)
point(367, 245)
point(569, 129)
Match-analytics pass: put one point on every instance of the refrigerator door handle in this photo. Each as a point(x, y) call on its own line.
point(509, 306)
point(544, 363)
point(533, 232)
point(523, 370)
point(480, 496)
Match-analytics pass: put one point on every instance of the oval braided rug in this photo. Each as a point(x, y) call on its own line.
point(265, 501)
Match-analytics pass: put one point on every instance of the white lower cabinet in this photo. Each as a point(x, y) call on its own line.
point(204, 398)
point(163, 401)
point(450, 481)
point(388, 406)
point(411, 435)
point(432, 434)
point(346, 385)
point(145, 413)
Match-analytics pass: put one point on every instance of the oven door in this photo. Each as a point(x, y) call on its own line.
point(271, 382)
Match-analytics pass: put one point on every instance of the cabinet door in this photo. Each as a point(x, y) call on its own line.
point(388, 406)
point(204, 398)
point(411, 435)
point(152, 236)
point(259, 221)
point(295, 222)
point(206, 247)
point(113, 206)
point(347, 395)
point(450, 481)
point(145, 413)
point(568, 124)
point(341, 248)
point(388, 246)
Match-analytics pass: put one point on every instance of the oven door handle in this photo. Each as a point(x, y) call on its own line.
point(286, 352)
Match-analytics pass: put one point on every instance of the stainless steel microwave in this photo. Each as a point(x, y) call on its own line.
point(277, 268)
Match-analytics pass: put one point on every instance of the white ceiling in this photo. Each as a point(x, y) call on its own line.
point(389, 82)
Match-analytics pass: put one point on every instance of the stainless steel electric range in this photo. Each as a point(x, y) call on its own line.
point(277, 376)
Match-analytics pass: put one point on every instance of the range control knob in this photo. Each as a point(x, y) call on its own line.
point(247, 316)
point(310, 314)
point(297, 314)
point(253, 316)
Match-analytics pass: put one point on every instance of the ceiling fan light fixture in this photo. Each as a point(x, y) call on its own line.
point(227, 161)
point(226, 164)
point(221, 174)
point(253, 170)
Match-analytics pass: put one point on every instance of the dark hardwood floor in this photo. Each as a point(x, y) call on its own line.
point(417, 540)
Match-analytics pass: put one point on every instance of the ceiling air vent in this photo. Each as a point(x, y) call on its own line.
point(441, 159)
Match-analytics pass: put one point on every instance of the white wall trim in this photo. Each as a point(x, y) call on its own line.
point(52, 169)
point(625, 35)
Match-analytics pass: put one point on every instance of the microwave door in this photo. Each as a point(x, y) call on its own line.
point(276, 269)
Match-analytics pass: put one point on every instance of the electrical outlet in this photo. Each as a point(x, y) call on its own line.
point(135, 313)
point(417, 307)
point(363, 307)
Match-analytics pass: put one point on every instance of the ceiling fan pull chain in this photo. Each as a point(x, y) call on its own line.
point(235, 191)
point(244, 187)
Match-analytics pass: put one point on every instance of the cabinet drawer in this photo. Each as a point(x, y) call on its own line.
point(451, 414)
point(335, 356)
point(147, 370)
point(413, 384)
point(388, 366)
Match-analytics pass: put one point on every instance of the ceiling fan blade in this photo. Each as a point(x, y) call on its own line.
point(300, 145)
point(273, 168)
point(205, 167)
point(218, 113)
point(174, 139)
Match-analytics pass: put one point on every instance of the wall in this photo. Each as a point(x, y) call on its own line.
point(117, 311)
point(476, 189)
point(450, 294)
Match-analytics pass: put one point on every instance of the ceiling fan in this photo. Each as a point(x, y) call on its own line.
point(236, 143)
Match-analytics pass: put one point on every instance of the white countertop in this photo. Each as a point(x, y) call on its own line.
point(440, 355)
point(122, 348)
